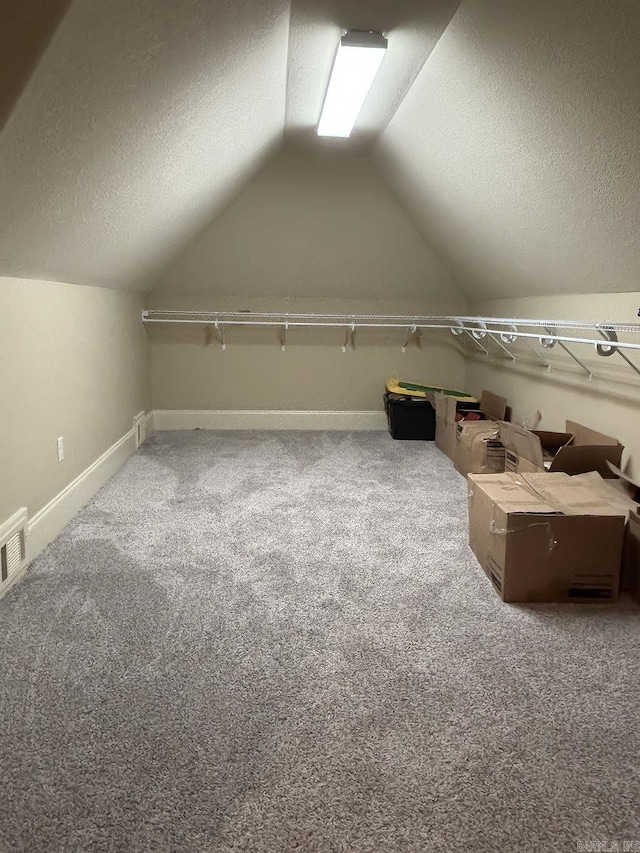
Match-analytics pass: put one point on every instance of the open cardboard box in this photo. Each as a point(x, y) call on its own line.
point(447, 407)
point(545, 537)
point(575, 451)
point(477, 447)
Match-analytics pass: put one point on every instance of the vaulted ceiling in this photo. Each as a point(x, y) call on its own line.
point(508, 131)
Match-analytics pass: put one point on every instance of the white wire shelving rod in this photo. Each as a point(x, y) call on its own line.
point(546, 331)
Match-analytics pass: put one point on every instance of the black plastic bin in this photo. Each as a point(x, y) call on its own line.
point(410, 418)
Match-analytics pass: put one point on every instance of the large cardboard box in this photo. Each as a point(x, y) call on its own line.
point(545, 537)
point(477, 447)
point(575, 451)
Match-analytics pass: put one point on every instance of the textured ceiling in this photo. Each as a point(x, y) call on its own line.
point(413, 28)
point(141, 121)
point(508, 130)
point(25, 29)
point(517, 149)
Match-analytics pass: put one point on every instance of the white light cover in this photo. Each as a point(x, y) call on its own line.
point(356, 64)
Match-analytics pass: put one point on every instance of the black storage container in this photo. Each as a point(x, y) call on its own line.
point(410, 418)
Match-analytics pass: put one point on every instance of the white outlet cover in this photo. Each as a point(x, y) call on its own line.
point(60, 448)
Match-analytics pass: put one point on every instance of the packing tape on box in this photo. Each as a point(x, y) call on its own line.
point(504, 531)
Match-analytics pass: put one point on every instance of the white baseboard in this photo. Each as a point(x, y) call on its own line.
point(51, 520)
point(149, 425)
point(169, 419)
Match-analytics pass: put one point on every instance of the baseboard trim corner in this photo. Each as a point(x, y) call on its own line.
point(187, 419)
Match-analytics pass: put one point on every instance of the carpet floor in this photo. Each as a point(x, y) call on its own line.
point(275, 642)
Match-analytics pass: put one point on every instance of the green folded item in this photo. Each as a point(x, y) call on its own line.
point(413, 386)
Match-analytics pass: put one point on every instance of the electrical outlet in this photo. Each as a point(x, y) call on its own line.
point(60, 448)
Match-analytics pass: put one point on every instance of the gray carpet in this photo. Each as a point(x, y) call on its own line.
point(281, 642)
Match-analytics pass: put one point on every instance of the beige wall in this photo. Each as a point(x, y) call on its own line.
point(312, 374)
point(320, 224)
point(610, 402)
point(309, 225)
point(74, 363)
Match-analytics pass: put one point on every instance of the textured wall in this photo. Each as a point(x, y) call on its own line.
point(609, 403)
point(517, 147)
point(141, 121)
point(75, 363)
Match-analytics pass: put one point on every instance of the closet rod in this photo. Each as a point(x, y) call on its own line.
point(475, 326)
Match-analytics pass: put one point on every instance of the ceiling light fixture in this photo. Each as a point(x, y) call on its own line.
point(356, 64)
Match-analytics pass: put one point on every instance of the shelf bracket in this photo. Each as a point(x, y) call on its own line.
point(457, 330)
point(283, 337)
point(497, 339)
point(410, 333)
point(551, 342)
point(608, 349)
point(218, 331)
point(349, 338)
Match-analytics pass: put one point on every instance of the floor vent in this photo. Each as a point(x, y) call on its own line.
point(13, 548)
point(139, 429)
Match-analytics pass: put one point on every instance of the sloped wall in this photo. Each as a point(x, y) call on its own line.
point(75, 363)
point(141, 121)
point(516, 150)
point(610, 402)
point(313, 233)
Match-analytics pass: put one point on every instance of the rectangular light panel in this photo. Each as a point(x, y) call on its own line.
point(356, 64)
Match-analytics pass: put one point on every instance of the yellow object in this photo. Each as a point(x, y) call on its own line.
point(412, 389)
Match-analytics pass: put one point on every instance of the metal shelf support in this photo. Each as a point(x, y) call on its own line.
point(501, 331)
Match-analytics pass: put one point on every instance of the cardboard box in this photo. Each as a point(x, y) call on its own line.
point(630, 580)
point(575, 451)
point(447, 406)
point(491, 407)
point(545, 537)
point(477, 447)
point(527, 451)
point(623, 493)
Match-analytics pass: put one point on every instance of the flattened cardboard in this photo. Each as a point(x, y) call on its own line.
point(589, 451)
point(544, 537)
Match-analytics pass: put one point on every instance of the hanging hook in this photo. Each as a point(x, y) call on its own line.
point(481, 331)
